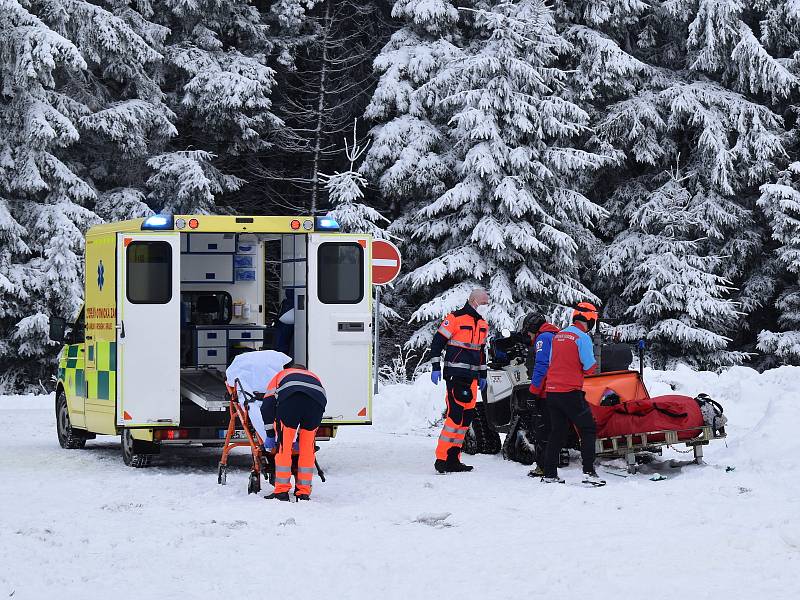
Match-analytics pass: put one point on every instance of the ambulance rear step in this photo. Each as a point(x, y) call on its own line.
point(206, 388)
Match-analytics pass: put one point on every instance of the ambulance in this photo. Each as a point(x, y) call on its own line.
point(171, 300)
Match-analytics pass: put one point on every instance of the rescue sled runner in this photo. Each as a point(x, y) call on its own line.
point(631, 424)
point(171, 301)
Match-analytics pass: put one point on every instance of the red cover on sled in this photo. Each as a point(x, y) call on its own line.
point(671, 412)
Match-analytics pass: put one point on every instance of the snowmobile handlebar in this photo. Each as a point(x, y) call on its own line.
point(504, 351)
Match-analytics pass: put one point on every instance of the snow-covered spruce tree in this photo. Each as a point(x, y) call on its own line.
point(121, 113)
point(724, 144)
point(345, 192)
point(42, 216)
point(676, 301)
point(514, 220)
point(346, 195)
point(409, 161)
point(187, 182)
point(689, 83)
point(780, 201)
point(218, 83)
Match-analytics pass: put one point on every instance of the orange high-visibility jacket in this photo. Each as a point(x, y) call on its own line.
point(462, 337)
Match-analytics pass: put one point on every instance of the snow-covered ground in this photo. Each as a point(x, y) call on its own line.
point(79, 524)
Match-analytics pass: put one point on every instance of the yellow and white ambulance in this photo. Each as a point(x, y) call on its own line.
point(170, 300)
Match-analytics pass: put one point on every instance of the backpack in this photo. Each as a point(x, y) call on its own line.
point(712, 413)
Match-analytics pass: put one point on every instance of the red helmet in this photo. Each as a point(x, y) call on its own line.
point(586, 312)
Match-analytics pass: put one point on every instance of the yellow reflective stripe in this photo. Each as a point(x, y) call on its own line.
point(283, 480)
point(445, 332)
point(305, 469)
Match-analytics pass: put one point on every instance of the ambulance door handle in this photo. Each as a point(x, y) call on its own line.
point(350, 326)
point(121, 329)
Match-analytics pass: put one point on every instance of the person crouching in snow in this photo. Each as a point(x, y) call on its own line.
point(541, 334)
point(462, 337)
point(571, 357)
point(295, 400)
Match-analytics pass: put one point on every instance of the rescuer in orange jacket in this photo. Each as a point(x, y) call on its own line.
point(295, 400)
point(462, 336)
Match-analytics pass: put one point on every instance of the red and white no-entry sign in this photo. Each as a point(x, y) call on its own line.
point(385, 262)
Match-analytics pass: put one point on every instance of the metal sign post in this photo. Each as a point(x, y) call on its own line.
point(377, 334)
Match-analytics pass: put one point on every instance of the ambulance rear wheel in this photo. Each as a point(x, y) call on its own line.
point(67, 437)
point(134, 451)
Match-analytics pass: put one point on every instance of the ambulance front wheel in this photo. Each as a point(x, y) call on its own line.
point(135, 452)
point(67, 437)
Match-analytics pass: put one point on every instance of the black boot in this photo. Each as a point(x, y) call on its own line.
point(454, 464)
point(282, 496)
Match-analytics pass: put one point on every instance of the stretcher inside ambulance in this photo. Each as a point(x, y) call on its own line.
point(171, 301)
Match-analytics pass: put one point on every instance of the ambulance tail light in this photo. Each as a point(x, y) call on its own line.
point(158, 222)
point(172, 434)
point(326, 224)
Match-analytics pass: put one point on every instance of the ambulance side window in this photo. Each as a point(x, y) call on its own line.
point(149, 272)
point(340, 268)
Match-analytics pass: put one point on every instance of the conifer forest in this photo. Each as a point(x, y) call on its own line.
point(640, 154)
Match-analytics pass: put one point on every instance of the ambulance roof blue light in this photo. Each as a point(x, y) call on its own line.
point(158, 222)
point(326, 224)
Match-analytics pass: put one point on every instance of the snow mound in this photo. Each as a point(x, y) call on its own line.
point(758, 405)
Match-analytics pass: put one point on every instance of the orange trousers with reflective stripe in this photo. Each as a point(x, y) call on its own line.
point(461, 398)
point(305, 459)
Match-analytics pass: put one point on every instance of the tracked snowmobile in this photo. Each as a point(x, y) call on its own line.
point(507, 406)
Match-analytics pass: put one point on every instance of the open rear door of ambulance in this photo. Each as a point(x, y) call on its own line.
point(340, 323)
point(148, 329)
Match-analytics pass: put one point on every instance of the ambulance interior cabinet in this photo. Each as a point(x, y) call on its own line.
point(214, 243)
point(206, 268)
point(211, 347)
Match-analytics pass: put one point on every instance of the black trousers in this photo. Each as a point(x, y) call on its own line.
point(565, 407)
point(300, 411)
point(460, 401)
point(541, 428)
